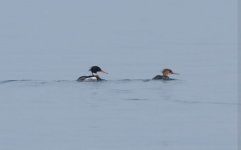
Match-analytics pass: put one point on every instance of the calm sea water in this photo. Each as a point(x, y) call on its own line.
point(196, 111)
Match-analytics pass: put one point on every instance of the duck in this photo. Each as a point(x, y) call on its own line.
point(94, 76)
point(165, 75)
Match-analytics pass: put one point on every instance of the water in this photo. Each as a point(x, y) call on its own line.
point(45, 47)
point(117, 114)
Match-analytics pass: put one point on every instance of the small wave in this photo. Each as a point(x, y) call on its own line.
point(201, 102)
point(43, 82)
point(9, 81)
point(136, 99)
point(131, 80)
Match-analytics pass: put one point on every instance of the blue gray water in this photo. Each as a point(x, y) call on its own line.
point(118, 114)
point(46, 45)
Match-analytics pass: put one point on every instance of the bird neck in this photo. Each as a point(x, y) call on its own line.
point(94, 74)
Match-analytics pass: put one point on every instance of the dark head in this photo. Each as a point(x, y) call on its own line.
point(95, 69)
point(167, 72)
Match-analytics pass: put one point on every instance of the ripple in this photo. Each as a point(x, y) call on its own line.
point(136, 99)
point(10, 81)
point(202, 102)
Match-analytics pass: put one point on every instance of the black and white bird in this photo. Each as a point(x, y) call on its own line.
point(165, 75)
point(94, 77)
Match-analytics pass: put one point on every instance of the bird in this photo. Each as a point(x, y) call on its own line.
point(165, 75)
point(94, 76)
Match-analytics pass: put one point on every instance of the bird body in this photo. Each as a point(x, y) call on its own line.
point(160, 77)
point(89, 78)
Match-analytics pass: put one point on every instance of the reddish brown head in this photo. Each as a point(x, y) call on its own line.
point(167, 72)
